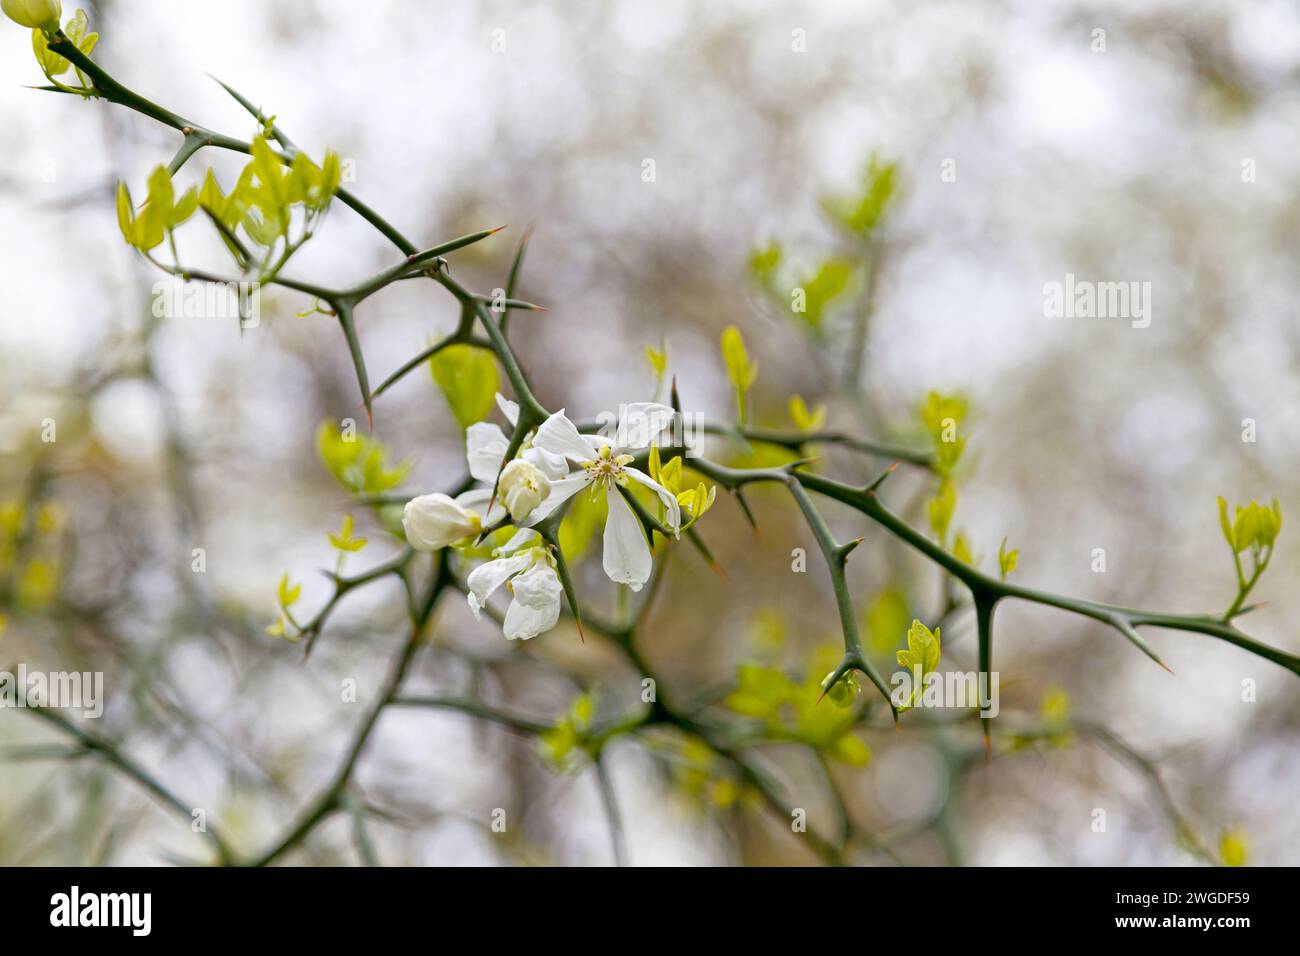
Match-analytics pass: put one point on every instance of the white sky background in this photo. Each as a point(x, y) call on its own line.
point(1113, 166)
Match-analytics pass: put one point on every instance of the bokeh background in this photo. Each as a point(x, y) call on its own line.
point(1125, 164)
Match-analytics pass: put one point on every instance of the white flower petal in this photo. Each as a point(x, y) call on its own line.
point(674, 516)
point(561, 491)
point(486, 578)
point(627, 555)
point(640, 423)
point(435, 521)
point(485, 447)
point(536, 606)
point(476, 499)
point(551, 465)
point(559, 436)
point(523, 487)
point(508, 408)
point(522, 539)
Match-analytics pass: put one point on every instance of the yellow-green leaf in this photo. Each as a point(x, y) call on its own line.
point(804, 419)
point(1007, 559)
point(469, 381)
point(851, 750)
point(288, 594)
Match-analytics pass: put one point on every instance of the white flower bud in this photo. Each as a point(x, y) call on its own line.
point(523, 487)
point(435, 521)
point(35, 14)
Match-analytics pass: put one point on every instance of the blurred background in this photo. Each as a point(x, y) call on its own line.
point(1023, 152)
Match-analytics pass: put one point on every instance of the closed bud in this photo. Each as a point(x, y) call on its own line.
point(435, 521)
point(34, 14)
point(523, 487)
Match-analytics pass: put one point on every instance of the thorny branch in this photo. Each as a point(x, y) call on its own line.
point(486, 327)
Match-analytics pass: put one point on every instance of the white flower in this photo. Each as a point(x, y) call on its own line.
point(36, 14)
point(435, 521)
point(523, 487)
point(526, 569)
point(486, 444)
point(627, 554)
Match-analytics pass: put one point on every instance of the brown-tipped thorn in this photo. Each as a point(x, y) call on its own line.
point(880, 479)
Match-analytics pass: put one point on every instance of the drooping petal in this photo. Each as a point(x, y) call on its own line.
point(485, 447)
point(627, 555)
point(561, 491)
point(486, 578)
point(674, 512)
point(536, 606)
point(559, 436)
point(640, 423)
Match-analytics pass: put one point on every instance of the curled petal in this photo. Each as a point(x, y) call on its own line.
point(672, 508)
point(627, 555)
point(486, 578)
point(536, 606)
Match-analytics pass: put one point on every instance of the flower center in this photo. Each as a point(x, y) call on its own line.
point(607, 468)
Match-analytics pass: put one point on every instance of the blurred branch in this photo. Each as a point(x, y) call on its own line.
point(110, 754)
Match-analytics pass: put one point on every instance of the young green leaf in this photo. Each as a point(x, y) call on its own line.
point(344, 541)
point(740, 369)
point(1007, 559)
point(941, 507)
point(804, 419)
point(469, 381)
point(921, 657)
point(287, 593)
